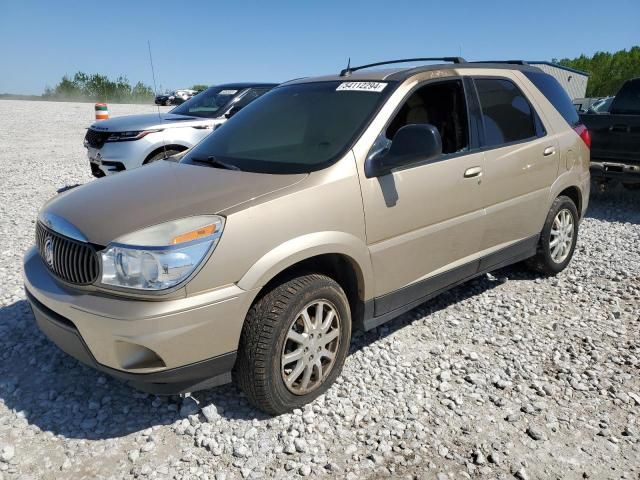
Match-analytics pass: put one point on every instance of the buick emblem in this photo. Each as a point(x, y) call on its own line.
point(48, 251)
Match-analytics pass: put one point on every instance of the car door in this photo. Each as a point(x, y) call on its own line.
point(521, 164)
point(424, 223)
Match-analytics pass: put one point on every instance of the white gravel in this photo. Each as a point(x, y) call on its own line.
point(508, 376)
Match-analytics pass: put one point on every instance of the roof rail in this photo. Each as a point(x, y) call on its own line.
point(349, 70)
point(512, 62)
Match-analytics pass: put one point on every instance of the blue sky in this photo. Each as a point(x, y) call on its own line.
point(215, 42)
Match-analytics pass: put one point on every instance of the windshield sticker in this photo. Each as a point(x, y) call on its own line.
point(361, 87)
point(228, 92)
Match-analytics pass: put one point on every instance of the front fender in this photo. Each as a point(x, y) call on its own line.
point(306, 246)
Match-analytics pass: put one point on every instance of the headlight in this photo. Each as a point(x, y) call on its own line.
point(132, 135)
point(159, 257)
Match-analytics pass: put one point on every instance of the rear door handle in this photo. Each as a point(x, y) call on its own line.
point(549, 151)
point(473, 172)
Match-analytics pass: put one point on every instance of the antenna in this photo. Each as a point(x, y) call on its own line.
point(348, 69)
point(155, 92)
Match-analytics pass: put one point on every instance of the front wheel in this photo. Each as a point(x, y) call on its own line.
point(294, 343)
point(558, 238)
point(161, 155)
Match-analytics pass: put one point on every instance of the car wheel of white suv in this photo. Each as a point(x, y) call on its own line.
point(294, 342)
point(161, 155)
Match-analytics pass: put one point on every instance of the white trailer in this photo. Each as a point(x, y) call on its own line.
point(573, 81)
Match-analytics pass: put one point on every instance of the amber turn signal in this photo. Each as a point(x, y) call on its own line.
point(201, 232)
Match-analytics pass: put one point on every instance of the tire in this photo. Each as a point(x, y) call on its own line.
point(162, 154)
point(260, 369)
point(548, 260)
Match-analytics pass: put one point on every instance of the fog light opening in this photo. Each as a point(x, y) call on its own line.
point(136, 357)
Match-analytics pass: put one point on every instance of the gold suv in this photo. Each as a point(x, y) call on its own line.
point(329, 204)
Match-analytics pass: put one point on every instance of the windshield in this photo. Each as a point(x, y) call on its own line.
point(295, 128)
point(208, 104)
point(603, 105)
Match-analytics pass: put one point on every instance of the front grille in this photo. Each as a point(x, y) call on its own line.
point(95, 139)
point(72, 261)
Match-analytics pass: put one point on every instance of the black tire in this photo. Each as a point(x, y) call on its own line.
point(161, 155)
point(258, 369)
point(542, 261)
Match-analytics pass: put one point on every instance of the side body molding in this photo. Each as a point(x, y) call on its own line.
point(307, 246)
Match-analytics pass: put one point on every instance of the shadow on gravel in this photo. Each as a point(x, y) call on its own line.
point(460, 293)
point(58, 394)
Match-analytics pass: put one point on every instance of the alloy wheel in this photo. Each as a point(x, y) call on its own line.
point(561, 238)
point(310, 347)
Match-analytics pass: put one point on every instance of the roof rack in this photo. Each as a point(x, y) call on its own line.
point(512, 62)
point(349, 70)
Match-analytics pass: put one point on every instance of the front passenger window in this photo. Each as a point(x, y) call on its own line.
point(442, 105)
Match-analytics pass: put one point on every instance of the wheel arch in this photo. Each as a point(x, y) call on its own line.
point(171, 146)
point(575, 194)
point(340, 256)
point(567, 184)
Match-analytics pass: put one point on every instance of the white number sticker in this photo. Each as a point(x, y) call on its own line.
point(228, 92)
point(361, 87)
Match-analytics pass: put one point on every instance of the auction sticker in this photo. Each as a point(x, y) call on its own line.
point(228, 92)
point(361, 87)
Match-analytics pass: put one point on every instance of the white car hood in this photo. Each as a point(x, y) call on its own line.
point(151, 121)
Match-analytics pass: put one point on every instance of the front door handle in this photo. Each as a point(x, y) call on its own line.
point(549, 151)
point(473, 172)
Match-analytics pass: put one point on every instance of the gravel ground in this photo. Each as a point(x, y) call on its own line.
point(508, 376)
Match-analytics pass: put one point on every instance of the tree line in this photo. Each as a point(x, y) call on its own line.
point(99, 88)
point(607, 71)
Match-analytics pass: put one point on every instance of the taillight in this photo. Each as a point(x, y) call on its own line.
point(584, 134)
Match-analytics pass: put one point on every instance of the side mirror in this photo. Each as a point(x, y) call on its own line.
point(232, 111)
point(412, 144)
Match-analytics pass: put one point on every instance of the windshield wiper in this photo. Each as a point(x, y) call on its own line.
point(214, 162)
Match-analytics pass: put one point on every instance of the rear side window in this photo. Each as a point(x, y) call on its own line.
point(506, 113)
point(627, 101)
point(556, 95)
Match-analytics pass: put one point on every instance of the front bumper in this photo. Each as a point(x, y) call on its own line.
point(163, 347)
point(604, 170)
point(114, 157)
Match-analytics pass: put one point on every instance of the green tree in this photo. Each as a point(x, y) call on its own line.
point(607, 71)
point(98, 88)
point(199, 87)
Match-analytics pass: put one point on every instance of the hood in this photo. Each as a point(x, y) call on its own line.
point(107, 208)
point(148, 120)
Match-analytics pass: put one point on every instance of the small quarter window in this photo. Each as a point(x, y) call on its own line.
point(506, 113)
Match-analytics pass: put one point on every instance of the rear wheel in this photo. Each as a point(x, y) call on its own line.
point(558, 238)
point(294, 343)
